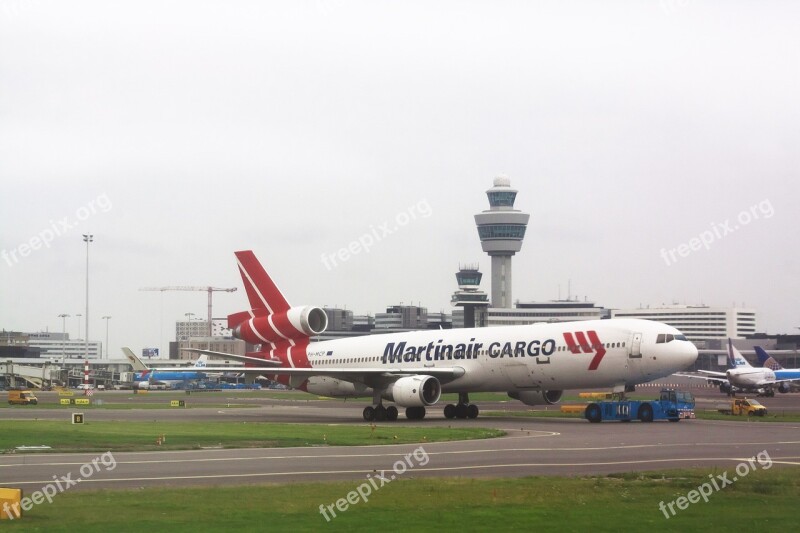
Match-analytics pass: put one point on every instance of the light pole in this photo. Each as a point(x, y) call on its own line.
point(106, 319)
point(87, 238)
point(63, 317)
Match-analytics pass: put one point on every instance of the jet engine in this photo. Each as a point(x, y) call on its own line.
point(548, 397)
point(784, 387)
point(414, 391)
point(296, 323)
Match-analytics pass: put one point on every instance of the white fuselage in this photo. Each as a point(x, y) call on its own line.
point(750, 377)
point(509, 358)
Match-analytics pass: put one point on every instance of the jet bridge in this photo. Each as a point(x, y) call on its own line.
point(30, 376)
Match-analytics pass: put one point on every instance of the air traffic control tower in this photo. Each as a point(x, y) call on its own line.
point(501, 230)
point(470, 297)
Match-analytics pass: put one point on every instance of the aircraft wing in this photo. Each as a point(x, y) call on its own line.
point(706, 378)
point(773, 382)
point(235, 357)
point(713, 373)
point(367, 376)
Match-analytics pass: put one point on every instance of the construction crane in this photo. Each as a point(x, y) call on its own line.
point(210, 291)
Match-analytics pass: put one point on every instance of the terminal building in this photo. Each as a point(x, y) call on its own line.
point(551, 311)
point(47, 345)
point(700, 323)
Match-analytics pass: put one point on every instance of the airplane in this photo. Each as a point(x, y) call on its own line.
point(785, 377)
point(742, 377)
point(144, 377)
point(531, 363)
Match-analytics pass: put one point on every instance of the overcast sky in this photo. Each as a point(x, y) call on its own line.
point(178, 132)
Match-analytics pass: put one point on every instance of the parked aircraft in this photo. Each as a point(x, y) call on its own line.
point(144, 377)
point(742, 377)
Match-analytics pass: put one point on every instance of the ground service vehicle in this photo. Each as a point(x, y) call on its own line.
point(22, 397)
point(671, 405)
point(743, 406)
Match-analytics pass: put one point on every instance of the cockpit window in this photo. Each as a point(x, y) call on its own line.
point(667, 337)
point(680, 337)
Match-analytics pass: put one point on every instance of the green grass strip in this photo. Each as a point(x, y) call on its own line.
point(142, 436)
point(762, 501)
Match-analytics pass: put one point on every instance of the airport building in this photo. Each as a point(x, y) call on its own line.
point(553, 311)
point(14, 345)
point(700, 323)
point(342, 323)
point(193, 334)
point(401, 317)
point(339, 319)
point(48, 345)
point(186, 329)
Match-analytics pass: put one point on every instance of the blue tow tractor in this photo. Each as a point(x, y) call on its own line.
point(672, 405)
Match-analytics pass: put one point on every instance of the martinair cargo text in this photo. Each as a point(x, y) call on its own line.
point(533, 363)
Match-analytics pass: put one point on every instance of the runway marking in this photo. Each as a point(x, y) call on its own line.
point(384, 455)
point(418, 469)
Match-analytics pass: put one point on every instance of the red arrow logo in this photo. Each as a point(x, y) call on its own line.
point(592, 345)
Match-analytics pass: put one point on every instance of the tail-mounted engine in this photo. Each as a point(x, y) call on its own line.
point(296, 323)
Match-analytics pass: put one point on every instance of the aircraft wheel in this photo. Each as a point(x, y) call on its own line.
point(449, 411)
point(369, 413)
point(461, 411)
point(391, 413)
point(415, 413)
point(380, 413)
point(472, 411)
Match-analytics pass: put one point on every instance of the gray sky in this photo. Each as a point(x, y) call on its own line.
point(182, 131)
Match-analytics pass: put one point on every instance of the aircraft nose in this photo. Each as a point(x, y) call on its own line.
point(690, 354)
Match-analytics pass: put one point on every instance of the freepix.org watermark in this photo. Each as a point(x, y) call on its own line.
point(715, 484)
point(376, 234)
point(59, 485)
point(718, 231)
point(375, 483)
point(57, 228)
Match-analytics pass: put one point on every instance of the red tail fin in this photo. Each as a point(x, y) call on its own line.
point(261, 291)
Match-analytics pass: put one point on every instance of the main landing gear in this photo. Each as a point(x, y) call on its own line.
point(463, 409)
point(379, 413)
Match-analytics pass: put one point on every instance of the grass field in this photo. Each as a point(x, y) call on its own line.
point(164, 404)
point(762, 501)
point(142, 436)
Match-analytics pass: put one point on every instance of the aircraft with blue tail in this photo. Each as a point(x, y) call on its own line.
point(145, 377)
